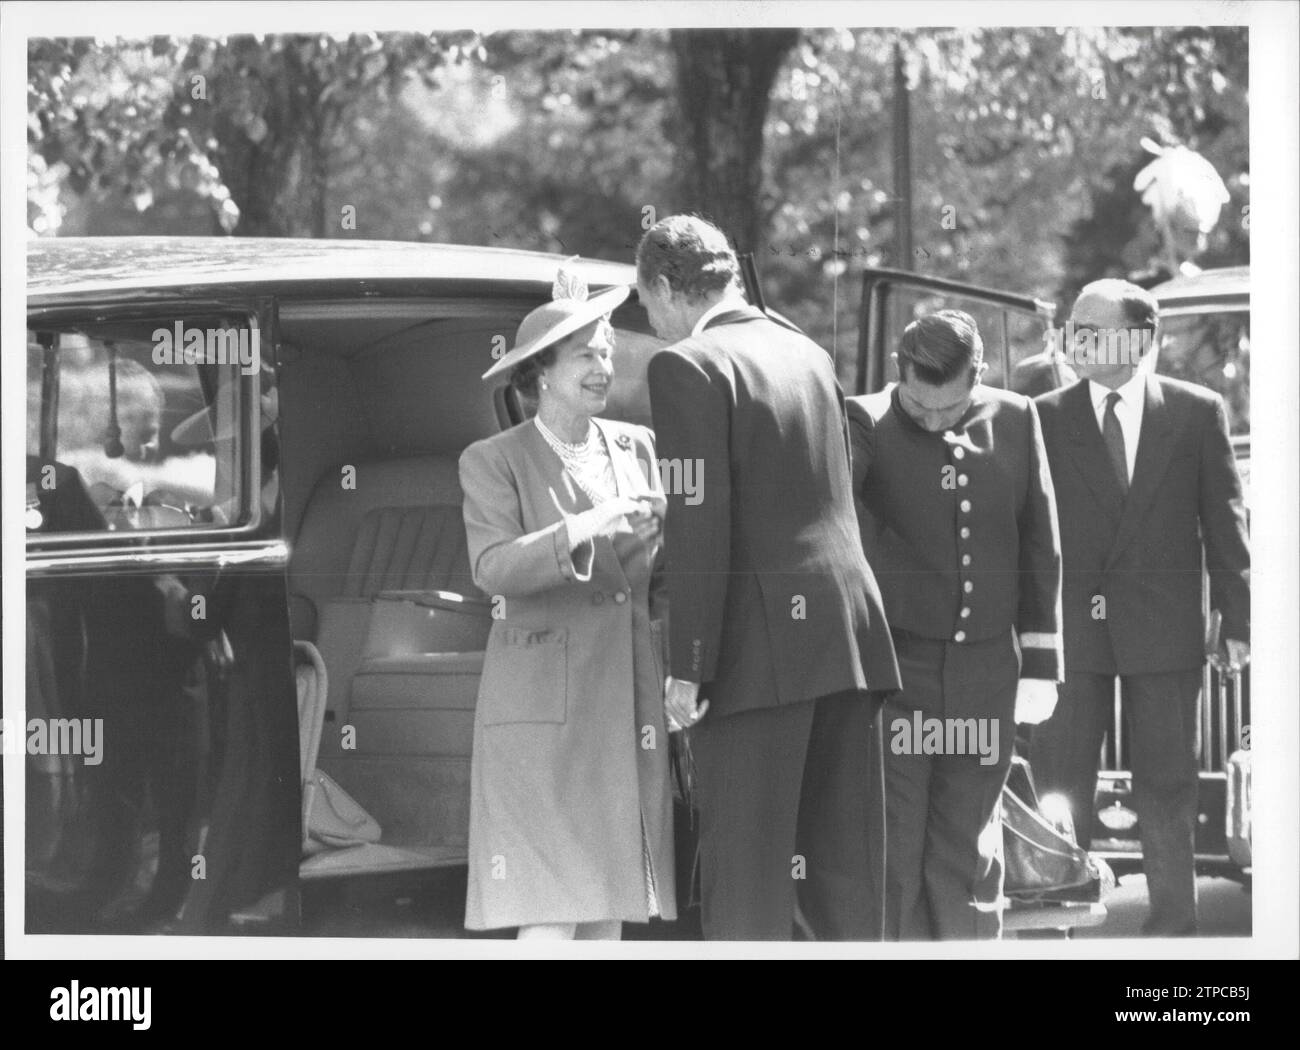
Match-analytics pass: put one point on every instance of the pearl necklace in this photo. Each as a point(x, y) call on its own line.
point(586, 462)
point(566, 448)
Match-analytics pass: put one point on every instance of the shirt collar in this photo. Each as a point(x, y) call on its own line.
point(1130, 392)
point(727, 302)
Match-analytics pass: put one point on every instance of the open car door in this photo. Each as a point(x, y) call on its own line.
point(1013, 327)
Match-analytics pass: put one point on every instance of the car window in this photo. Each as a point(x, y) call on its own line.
point(1007, 334)
point(1213, 350)
point(134, 425)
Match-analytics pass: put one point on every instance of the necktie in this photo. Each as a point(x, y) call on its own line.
point(1113, 434)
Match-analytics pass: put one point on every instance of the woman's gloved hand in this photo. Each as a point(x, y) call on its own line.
point(607, 519)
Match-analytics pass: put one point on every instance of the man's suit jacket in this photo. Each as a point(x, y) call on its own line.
point(772, 598)
point(1141, 553)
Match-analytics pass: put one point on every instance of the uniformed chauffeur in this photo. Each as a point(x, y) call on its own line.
point(958, 519)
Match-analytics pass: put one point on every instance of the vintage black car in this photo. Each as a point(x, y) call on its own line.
point(246, 566)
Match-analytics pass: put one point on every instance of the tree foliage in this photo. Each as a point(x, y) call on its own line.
point(249, 124)
point(1025, 144)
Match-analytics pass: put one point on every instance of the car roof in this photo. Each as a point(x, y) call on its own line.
point(109, 267)
point(1230, 282)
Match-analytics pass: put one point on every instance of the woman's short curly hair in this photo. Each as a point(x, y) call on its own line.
point(691, 253)
point(524, 376)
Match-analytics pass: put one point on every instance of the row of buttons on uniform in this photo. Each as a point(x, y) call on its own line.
point(964, 532)
point(618, 596)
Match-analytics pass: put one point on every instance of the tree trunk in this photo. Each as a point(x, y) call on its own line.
point(724, 80)
point(276, 176)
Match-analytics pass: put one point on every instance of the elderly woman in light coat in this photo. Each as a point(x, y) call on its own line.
point(570, 801)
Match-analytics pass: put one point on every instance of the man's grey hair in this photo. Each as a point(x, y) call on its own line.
point(691, 254)
point(1140, 307)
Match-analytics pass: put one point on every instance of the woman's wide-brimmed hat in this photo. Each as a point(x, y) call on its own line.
point(568, 311)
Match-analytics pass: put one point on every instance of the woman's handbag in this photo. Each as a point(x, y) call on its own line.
point(333, 818)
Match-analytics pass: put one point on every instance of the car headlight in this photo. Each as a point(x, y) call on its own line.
point(1056, 809)
point(1117, 817)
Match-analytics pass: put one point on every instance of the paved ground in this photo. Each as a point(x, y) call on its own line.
point(1224, 908)
point(425, 909)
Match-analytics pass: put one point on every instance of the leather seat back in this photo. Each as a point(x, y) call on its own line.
point(379, 526)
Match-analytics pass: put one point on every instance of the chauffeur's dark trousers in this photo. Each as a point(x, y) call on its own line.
point(783, 796)
point(943, 867)
point(1160, 713)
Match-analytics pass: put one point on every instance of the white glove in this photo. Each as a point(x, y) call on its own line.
point(1035, 701)
point(607, 519)
point(176, 606)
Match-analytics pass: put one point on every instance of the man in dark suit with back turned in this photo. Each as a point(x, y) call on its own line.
point(1145, 480)
point(775, 622)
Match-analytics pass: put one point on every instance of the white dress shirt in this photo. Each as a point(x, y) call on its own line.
point(727, 302)
point(1128, 410)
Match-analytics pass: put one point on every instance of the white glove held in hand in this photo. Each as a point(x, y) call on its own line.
point(605, 520)
point(1035, 701)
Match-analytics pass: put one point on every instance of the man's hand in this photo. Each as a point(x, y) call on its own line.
point(176, 606)
point(1035, 701)
point(1238, 654)
point(679, 704)
point(647, 520)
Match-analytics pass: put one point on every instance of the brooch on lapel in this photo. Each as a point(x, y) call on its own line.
point(623, 441)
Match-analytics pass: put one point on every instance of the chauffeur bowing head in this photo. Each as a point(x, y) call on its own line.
point(956, 515)
point(927, 390)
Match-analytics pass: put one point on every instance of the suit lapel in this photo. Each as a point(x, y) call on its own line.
point(623, 459)
point(1088, 450)
point(1155, 446)
point(628, 481)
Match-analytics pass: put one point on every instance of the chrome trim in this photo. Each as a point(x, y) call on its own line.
point(418, 309)
point(1217, 303)
point(1223, 719)
point(1238, 714)
point(1120, 851)
point(1205, 721)
point(1237, 804)
point(1204, 703)
point(1117, 723)
point(265, 554)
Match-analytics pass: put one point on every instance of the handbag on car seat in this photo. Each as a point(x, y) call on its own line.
point(333, 818)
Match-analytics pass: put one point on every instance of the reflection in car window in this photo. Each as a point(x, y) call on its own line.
point(152, 442)
point(1212, 350)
